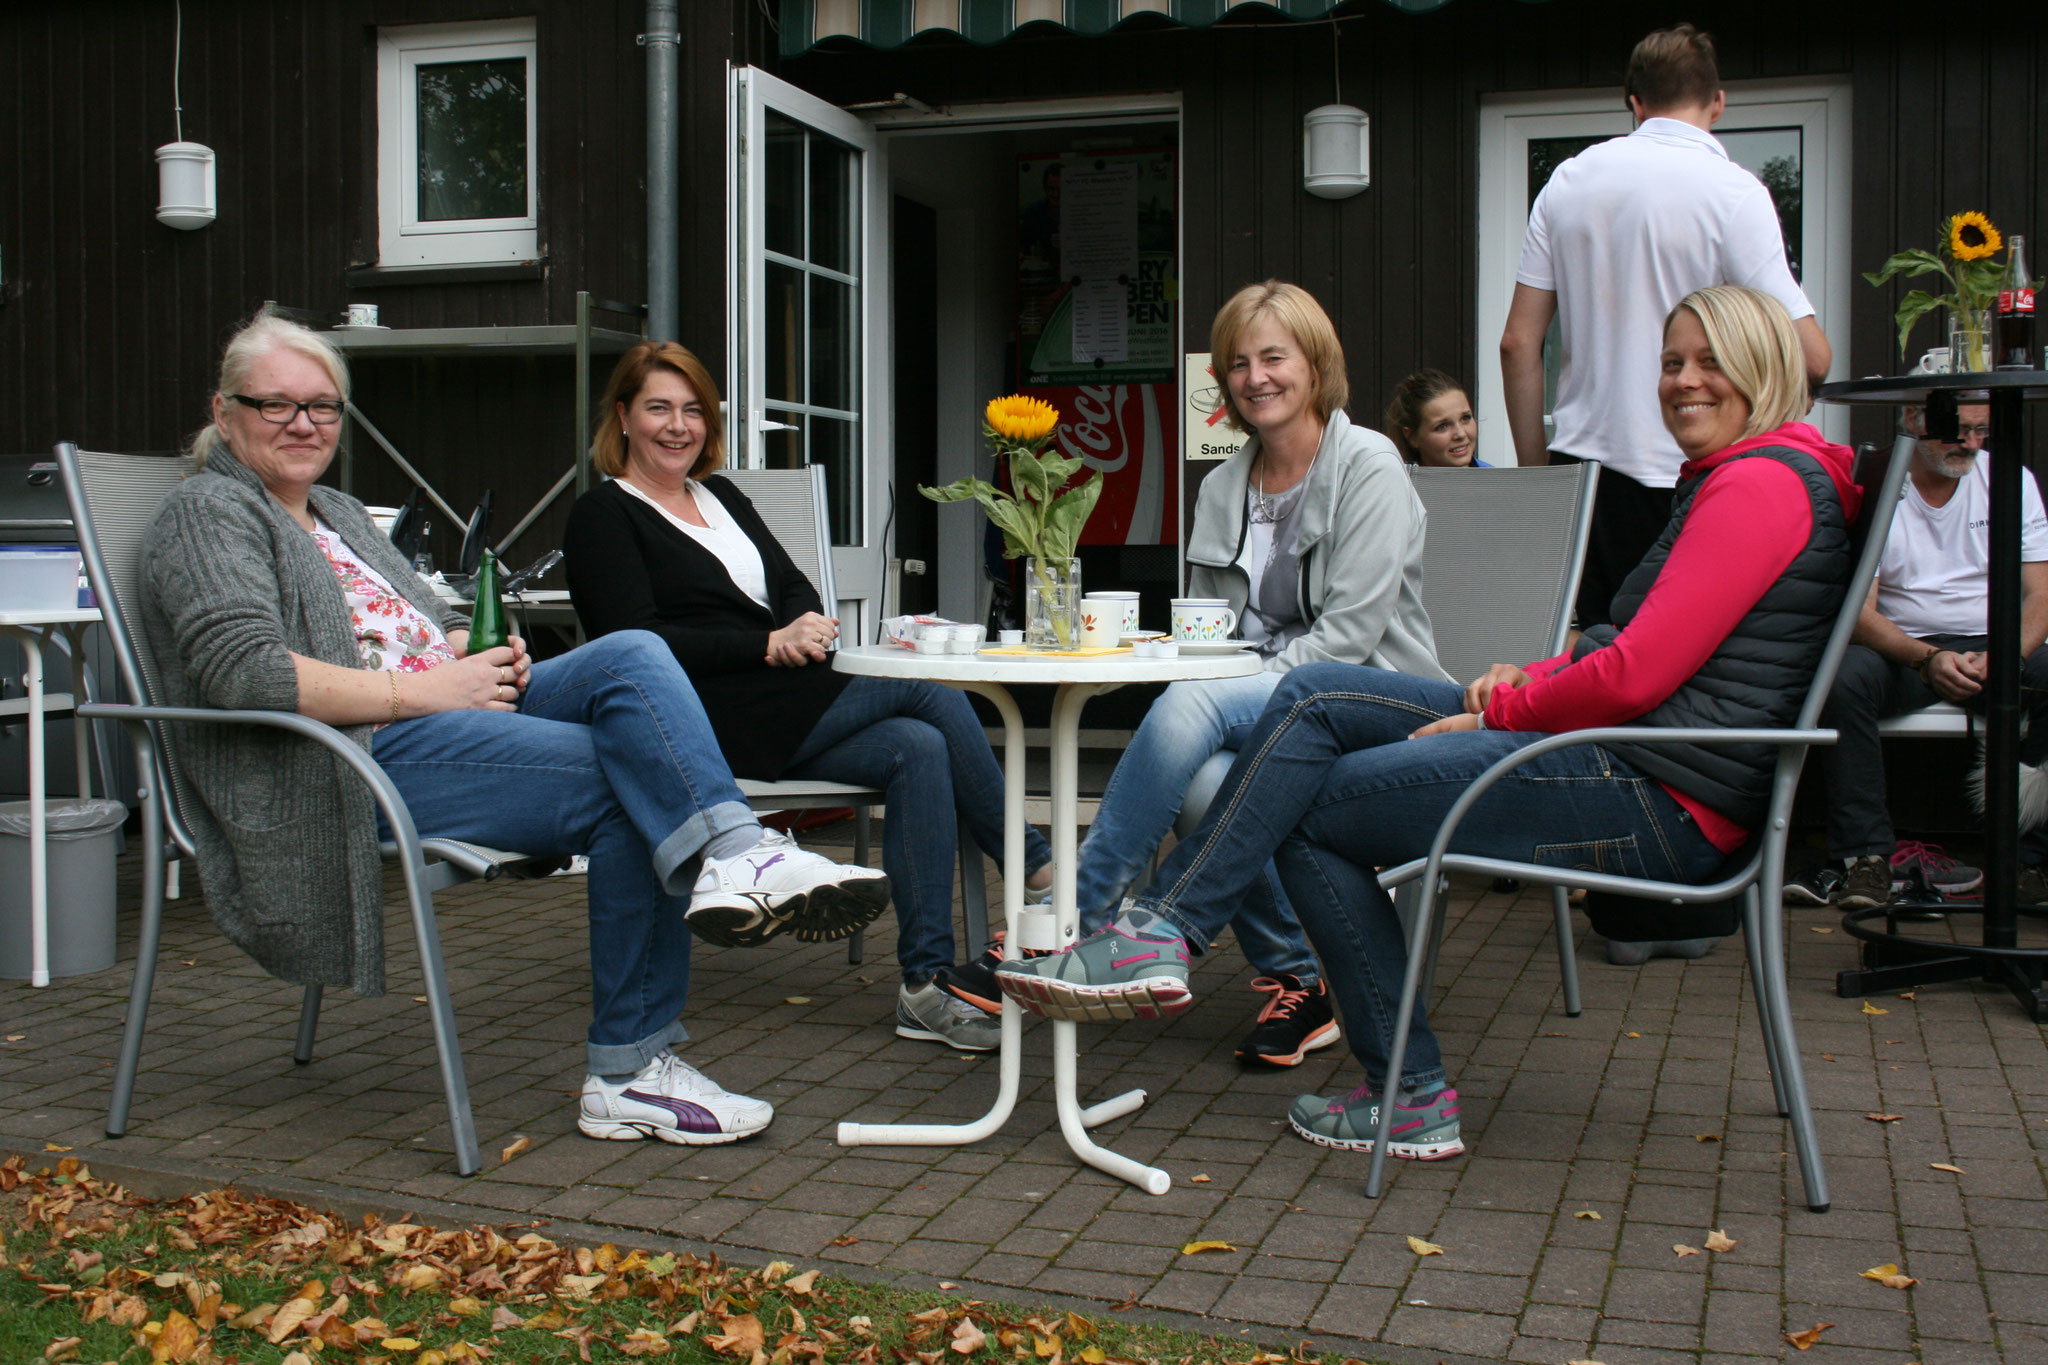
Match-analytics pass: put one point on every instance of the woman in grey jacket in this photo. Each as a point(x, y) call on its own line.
point(262, 589)
point(1313, 534)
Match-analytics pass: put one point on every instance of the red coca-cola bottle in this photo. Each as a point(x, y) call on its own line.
point(2015, 327)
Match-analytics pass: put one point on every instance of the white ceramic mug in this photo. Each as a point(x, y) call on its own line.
point(1102, 623)
point(1125, 601)
point(362, 315)
point(1203, 618)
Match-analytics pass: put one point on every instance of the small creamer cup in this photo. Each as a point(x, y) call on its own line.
point(1203, 618)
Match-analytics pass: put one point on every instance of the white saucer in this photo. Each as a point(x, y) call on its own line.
point(1212, 646)
point(360, 327)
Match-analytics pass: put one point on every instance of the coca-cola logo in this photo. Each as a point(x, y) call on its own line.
point(1101, 433)
point(2015, 301)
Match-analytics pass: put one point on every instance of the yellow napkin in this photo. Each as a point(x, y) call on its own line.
point(1024, 651)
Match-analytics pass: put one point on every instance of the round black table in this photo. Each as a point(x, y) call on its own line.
point(1892, 960)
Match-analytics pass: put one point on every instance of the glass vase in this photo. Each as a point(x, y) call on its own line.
point(1969, 340)
point(1052, 603)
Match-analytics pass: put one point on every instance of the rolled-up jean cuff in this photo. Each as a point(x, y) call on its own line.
point(675, 859)
point(624, 1059)
point(1196, 939)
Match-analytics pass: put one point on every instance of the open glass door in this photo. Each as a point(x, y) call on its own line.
point(1794, 136)
point(809, 347)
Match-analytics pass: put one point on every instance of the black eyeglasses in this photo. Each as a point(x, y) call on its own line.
point(283, 411)
point(1981, 433)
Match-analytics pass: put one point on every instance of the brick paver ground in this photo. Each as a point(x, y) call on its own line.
point(1653, 1110)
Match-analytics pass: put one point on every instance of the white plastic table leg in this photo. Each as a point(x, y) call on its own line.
point(1010, 1049)
point(38, 848)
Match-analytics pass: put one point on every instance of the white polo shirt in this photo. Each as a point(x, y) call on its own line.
point(1934, 575)
point(1622, 232)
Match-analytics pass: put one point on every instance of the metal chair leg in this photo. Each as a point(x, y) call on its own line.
point(1770, 892)
point(1753, 949)
point(309, 1022)
point(856, 946)
point(1420, 934)
point(149, 939)
point(441, 1012)
point(1567, 950)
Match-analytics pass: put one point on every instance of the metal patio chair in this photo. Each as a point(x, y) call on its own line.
point(1759, 879)
point(113, 499)
point(792, 504)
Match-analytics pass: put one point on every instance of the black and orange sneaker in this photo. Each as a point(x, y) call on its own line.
point(975, 982)
point(1295, 1022)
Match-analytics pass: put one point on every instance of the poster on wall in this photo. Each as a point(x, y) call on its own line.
point(1096, 283)
point(1209, 437)
point(1127, 431)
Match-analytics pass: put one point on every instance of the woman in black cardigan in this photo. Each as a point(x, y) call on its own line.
point(656, 549)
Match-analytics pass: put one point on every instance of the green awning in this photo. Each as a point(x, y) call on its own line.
point(892, 23)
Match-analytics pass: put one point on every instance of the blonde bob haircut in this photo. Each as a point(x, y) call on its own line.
point(1295, 309)
point(255, 339)
point(1754, 344)
point(608, 441)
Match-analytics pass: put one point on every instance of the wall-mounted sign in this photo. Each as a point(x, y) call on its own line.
point(1208, 436)
point(1096, 284)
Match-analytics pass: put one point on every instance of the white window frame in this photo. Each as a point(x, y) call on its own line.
point(402, 239)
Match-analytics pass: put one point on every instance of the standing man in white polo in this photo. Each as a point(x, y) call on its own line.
point(1619, 235)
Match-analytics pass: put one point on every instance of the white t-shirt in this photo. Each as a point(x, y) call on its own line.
point(1620, 234)
point(1933, 577)
point(723, 537)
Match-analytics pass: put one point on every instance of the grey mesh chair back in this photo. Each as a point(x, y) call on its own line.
point(1500, 565)
point(792, 503)
point(122, 493)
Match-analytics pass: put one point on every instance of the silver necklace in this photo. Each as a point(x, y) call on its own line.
point(1262, 511)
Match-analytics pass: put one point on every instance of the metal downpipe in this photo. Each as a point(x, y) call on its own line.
point(663, 41)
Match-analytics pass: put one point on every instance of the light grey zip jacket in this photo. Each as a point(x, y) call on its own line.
point(1360, 547)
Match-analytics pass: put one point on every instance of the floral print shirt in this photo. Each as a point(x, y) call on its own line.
point(392, 633)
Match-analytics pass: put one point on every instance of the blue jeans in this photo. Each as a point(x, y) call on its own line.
point(609, 754)
point(1329, 784)
point(923, 746)
point(1189, 724)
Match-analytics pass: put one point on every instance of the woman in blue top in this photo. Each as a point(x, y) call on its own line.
point(1431, 420)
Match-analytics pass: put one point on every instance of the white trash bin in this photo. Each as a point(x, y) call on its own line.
point(83, 837)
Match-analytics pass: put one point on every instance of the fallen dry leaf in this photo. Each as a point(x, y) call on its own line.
point(1683, 1250)
point(947, 1284)
point(419, 1000)
point(1718, 1240)
point(289, 1317)
point(1196, 1248)
point(967, 1338)
point(1631, 1034)
point(1868, 1008)
point(1582, 1362)
point(398, 1344)
point(63, 1348)
point(53, 1147)
point(1890, 1276)
point(1884, 1118)
point(1944, 1166)
point(1587, 1213)
point(1198, 1180)
point(514, 1148)
point(503, 1317)
point(796, 1000)
point(1827, 1056)
point(1706, 1137)
point(1820, 928)
point(178, 1342)
point(16, 1037)
point(1804, 1340)
point(1907, 995)
point(1422, 1248)
point(846, 1241)
point(641, 1342)
point(742, 1337)
point(801, 1284)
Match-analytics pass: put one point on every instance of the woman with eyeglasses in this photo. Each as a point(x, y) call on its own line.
point(262, 589)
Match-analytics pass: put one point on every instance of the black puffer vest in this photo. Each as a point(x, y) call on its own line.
point(1759, 675)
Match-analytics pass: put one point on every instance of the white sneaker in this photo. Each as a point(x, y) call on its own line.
point(744, 901)
point(673, 1101)
point(932, 1015)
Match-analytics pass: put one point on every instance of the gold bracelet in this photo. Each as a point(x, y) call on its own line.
point(393, 675)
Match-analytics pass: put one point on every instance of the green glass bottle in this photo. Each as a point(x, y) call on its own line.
point(487, 617)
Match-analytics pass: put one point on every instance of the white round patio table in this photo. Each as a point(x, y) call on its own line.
point(991, 674)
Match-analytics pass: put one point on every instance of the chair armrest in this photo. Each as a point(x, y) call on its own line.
point(1622, 734)
point(403, 832)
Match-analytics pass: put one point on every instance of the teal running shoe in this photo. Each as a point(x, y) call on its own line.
point(1427, 1131)
point(1136, 968)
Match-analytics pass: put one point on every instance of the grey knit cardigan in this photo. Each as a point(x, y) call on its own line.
point(230, 588)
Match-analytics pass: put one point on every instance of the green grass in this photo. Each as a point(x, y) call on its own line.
point(190, 1280)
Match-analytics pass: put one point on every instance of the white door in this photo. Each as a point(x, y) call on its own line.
point(809, 345)
point(1793, 135)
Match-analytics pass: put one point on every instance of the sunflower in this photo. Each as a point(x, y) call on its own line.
point(1972, 238)
point(1021, 418)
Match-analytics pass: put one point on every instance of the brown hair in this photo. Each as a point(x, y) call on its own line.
point(1673, 68)
point(1297, 310)
point(608, 440)
point(1411, 396)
